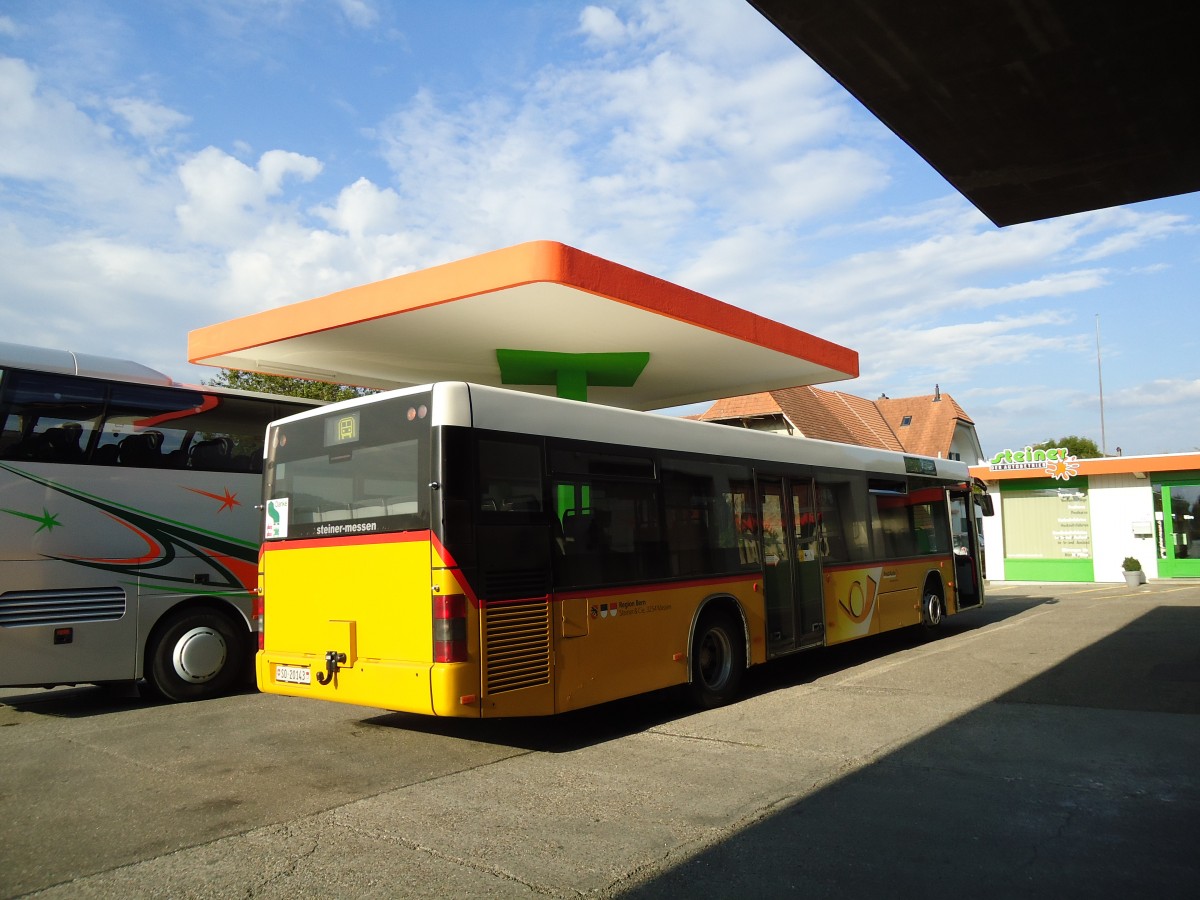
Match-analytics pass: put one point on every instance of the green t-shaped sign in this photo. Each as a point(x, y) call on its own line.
point(571, 373)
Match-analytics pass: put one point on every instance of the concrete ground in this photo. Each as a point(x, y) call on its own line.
point(1047, 745)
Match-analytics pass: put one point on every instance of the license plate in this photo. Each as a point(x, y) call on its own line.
point(293, 674)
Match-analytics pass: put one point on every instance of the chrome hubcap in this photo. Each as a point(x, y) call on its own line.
point(199, 655)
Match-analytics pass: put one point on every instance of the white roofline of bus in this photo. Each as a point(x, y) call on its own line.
point(67, 362)
point(110, 368)
point(502, 409)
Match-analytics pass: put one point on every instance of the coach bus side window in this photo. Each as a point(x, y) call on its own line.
point(49, 418)
point(144, 427)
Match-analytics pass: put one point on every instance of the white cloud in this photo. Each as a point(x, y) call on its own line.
point(1133, 230)
point(1161, 393)
point(70, 161)
point(362, 209)
point(226, 200)
point(952, 352)
point(275, 165)
point(8, 27)
point(104, 295)
point(359, 13)
point(146, 120)
point(601, 24)
point(1057, 284)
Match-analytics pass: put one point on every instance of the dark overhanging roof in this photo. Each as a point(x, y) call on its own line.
point(1030, 108)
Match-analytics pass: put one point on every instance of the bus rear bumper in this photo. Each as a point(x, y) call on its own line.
point(415, 687)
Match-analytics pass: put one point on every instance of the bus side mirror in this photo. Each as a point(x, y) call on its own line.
point(985, 504)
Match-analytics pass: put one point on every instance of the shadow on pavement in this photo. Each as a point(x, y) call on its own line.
point(1082, 782)
point(611, 721)
point(86, 700)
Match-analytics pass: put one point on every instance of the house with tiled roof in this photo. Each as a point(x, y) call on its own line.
point(930, 425)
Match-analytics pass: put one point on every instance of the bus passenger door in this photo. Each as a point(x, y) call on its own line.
point(791, 564)
point(968, 567)
point(810, 607)
point(778, 591)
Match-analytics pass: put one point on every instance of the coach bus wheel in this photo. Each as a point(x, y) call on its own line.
point(195, 654)
point(718, 660)
point(933, 610)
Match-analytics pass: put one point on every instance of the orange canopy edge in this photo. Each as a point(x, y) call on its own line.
point(446, 323)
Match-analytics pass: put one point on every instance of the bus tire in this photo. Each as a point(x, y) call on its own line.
point(718, 660)
point(195, 654)
point(933, 610)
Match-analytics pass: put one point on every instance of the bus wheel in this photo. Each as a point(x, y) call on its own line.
point(195, 654)
point(718, 660)
point(933, 610)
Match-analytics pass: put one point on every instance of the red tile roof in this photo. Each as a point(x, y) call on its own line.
point(934, 420)
point(847, 419)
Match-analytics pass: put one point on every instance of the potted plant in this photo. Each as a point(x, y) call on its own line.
point(1133, 572)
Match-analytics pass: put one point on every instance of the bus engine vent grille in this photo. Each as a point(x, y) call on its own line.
point(518, 645)
point(61, 606)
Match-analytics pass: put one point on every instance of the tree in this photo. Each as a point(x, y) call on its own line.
point(288, 387)
point(1079, 447)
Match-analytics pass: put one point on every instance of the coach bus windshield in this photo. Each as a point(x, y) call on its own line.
point(351, 472)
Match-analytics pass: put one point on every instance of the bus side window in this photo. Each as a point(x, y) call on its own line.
point(49, 418)
point(702, 534)
point(844, 524)
point(510, 476)
point(60, 444)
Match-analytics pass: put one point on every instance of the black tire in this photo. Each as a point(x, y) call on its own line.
point(195, 654)
point(718, 660)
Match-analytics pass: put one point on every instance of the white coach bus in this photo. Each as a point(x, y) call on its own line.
point(128, 535)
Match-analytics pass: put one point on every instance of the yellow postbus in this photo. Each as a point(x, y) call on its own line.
point(460, 550)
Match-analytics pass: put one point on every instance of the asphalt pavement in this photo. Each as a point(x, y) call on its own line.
point(1047, 745)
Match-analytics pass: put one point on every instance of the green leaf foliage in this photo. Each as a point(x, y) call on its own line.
point(1079, 447)
point(288, 387)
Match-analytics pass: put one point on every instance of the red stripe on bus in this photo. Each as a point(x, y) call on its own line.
point(350, 540)
point(656, 587)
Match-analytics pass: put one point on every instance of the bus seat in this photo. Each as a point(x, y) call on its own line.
point(367, 509)
point(141, 449)
point(305, 515)
point(579, 530)
point(59, 444)
point(212, 455)
point(107, 455)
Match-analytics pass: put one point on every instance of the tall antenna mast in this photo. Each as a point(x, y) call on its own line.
point(1100, 378)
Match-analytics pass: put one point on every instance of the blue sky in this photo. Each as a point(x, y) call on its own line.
point(166, 166)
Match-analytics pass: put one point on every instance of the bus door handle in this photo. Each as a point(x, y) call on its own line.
point(333, 659)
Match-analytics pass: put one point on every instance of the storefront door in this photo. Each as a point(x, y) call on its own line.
point(1177, 511)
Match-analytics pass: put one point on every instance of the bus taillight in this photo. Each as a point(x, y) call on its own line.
point(449, 628)
point(256, 617)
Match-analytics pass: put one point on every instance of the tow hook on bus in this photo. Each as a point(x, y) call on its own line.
point(333, 659)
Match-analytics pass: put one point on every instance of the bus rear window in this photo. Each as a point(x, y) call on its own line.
point(351, 472)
